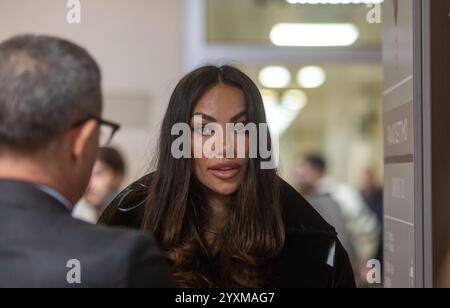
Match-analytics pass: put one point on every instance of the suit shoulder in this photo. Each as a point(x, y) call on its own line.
point(135, 260)
point(120, 236)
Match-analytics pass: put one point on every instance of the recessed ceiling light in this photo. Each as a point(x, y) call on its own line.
point(281, 113)
point(275, 77)
point(310, 35)
point(311, 77)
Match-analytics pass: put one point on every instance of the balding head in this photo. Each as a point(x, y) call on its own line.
point(46, 84)
point(50, 103)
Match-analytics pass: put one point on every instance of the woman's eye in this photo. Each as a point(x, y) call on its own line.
point(203, 130)
point(198, 130)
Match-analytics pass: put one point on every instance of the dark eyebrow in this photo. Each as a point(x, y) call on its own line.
point(238, 116)
point(205, 116)
point(212, 119)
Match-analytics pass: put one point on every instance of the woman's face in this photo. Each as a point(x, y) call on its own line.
point(220, 106)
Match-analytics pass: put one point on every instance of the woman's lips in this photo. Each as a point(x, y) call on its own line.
point(225, 171)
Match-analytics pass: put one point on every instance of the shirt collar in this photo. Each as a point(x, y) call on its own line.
point(56, 195)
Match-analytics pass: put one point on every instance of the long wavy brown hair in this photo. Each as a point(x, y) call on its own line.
point(177, 210)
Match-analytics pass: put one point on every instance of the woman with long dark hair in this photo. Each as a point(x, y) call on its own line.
point(222, 220)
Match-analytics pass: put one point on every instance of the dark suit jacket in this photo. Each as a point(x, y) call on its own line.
point(313, 256)
point(38, 238)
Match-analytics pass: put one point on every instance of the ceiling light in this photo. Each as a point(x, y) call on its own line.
point(275, 77)
point(310, 35)
point(281, 114)
point(311, 77)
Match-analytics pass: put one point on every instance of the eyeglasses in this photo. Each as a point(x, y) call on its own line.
point(107, 129)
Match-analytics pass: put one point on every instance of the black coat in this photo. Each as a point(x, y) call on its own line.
point(312, 256)
point(38, 237)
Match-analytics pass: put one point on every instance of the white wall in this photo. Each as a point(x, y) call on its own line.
point(138, 44)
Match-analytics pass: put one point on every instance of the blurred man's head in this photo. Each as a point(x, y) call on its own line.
point(309, 172)
point(369, 180)
point(50, 94)
point(107, 178)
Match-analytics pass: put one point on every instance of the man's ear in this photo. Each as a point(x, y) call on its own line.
point(84, 137)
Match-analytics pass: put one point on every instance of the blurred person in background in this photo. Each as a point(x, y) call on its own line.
point(105, 183)
point(330, 210)
point(357, 223)
point(50, 127)
point(372, 193)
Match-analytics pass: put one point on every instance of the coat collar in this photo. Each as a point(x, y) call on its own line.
point(27, 195)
